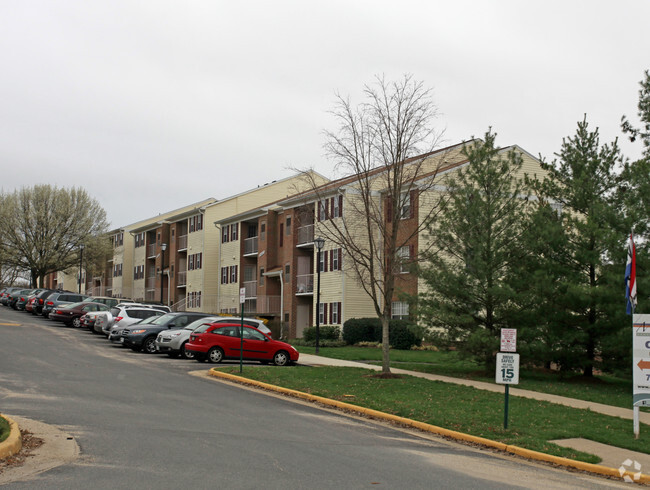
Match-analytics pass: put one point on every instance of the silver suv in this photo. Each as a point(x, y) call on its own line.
point(172, 342)
point(123, 316)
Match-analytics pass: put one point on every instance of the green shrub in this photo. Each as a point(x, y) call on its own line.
point(402, 333)
point(5, 429)
point(326, 332)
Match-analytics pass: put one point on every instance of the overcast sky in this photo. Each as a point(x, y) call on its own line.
point(154, 105)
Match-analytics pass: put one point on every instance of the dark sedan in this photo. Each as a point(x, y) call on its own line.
point(71, 314)
point(143, 337)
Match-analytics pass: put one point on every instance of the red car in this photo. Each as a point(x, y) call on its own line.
point(71, 314)
point(218, 341)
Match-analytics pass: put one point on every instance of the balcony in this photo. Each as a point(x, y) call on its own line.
point(263, 305)
point(250, 246)
point(251, 289)
point(305, 285)
point(181, 277)
point(151, 283)
point(151, 251)
point(305, 236)
point(181, 243)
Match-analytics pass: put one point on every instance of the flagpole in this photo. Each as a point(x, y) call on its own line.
point(630, 294)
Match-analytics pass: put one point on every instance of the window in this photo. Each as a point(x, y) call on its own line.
point(198, 260)
point(139, 240)
point(281, 234)
point(322, 312)
point(225, 234)
point(234, 232)
point(190, 263)
point(322, 210)
point(261, 276)
point(400, 310)
point(335, 259)
point(288, 225)
point(263, 231)
point(322, 261)
point(406, 206)
point(224, 275)
point(335, 207)
point(233, 273)
point(195, 223)
point(335, 313)
point(287, 273)
point(403, 259)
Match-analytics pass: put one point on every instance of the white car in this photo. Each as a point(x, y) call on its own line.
point(172, 342)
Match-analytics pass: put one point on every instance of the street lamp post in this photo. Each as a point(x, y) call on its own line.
point(81, 262)
point(319, 243)
point(163, 247)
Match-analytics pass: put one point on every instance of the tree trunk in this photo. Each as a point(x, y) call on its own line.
point(385, 345)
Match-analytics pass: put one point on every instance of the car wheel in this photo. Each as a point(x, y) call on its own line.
point(215, 355)
point(76, 322)
point(185, 353)
point(281, 358)
point(149, 345)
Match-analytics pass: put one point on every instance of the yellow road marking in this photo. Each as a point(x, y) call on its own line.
point(11, 324)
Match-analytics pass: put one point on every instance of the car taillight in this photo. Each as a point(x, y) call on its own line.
point(49, 303)
point(40, 301)
point(118, 318)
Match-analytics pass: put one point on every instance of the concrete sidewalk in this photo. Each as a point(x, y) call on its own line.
point(611, 456)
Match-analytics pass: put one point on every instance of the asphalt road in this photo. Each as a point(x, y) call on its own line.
point(143, 421)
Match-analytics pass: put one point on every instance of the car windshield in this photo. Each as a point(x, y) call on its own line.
point(149, 319)
point(161, 320)
point(199, 322)
point(202, 328)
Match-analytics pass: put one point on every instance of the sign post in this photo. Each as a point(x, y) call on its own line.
point(242, 300)
point(507, 366)
point(640, 366)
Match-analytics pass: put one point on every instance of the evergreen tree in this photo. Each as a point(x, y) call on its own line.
point(588, 311)
point(471, 271)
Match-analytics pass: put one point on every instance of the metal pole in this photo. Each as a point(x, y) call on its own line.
point(505, 415)
point(81, 262)
point(241, 341)
point(162, 277)
point(318, 300)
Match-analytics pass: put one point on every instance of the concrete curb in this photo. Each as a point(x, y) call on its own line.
point(12, 444)
point(519, 451)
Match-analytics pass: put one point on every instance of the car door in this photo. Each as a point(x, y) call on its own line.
point(255, 345)
point(227, 338)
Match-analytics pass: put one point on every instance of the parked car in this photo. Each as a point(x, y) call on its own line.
point(221, 341)
point(71, 314)
point(4, 297)
point(88, 320)
point(39, 301)
point(143, 337)
point(21, 299)
point(153, 306)
point(20, 295)
point(123, 316)
point(107, 300)
point(115, 333)
point(172, 342)
point(29, 306)
point(61, 298)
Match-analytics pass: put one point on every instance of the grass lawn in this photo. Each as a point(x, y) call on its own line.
point(531, 423)
point(4, 429)
point(608, 390)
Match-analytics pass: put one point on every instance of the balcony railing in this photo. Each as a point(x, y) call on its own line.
point(250, 246)
point(305, 284)
point(305, 234)
point(181, 278)
point(151, 250)
point(251, 289)
point(182, 242)
point(151, 283)
point(262, 305)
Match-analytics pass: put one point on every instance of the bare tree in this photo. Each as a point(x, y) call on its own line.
point(42, 228)
point(385, 144)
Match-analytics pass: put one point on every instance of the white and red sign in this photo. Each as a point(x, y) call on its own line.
point(508, 340)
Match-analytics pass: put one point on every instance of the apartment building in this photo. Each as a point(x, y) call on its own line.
point(269, 251)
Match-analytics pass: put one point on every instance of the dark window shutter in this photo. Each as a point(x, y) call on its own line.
point(411, 252)
point(340, 259)
point(324, 312)
point(331, 260)
point(331, 309)
point(324, 261)
point(389, 210)
point(339, 310)
point(412, 197)
point(332, 207)
point(341, 206)
point(318, 210)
